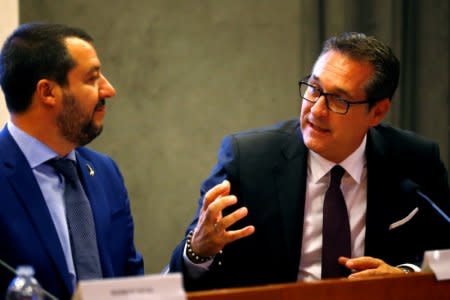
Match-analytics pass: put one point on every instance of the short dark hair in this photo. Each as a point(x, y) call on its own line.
point(360, 47)
point(32, 52)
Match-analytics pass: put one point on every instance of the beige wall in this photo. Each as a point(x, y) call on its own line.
point(9, 19)
point(186, 73)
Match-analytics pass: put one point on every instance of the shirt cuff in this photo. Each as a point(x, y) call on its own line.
point(413, 267)
point(195, 270)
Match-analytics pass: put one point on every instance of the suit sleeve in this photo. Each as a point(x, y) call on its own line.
point(224, 169)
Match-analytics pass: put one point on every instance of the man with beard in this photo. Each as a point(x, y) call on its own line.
point(56, 95)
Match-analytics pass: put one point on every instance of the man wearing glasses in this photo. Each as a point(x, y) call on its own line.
point(320, 196)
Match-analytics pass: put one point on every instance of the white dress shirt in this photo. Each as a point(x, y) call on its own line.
point(354, 189)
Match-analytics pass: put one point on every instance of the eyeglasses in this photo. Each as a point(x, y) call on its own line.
point(335, 103)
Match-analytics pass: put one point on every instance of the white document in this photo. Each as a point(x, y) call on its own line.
point(148, 287)
point(438, 262)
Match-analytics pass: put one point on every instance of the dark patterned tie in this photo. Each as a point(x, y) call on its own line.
point(83, 239)
point(336, 239)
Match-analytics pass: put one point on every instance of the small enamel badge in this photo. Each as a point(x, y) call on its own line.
point(91, 170)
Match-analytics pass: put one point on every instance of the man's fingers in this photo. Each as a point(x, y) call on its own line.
point(232, 218)
point(363, 274)
point(363, 263)
point(220, 189)
point(234, 235)
point(343, 260)
point(214, 211)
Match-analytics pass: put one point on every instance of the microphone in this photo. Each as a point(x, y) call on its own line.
point(11, 269)
point(409, 186)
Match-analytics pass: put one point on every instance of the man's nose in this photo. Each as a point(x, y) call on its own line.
point(320, 106)
point(106, 88)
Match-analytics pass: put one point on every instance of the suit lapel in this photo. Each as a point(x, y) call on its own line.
point(22, 180)
point(290, 178)
point(100, 208)
point(380, 189)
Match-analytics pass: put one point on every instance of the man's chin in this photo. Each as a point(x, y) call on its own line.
point(90, 134)
point(314, 145)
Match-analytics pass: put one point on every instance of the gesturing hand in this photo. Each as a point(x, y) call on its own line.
point(210, 234)
point(366, 266)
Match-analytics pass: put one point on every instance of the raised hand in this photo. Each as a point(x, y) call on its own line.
point(211, 234)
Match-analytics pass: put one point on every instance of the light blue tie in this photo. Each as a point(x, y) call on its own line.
point(83, 239)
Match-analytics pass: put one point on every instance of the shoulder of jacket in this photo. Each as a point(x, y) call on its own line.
point(286, 128)
point(394, 135)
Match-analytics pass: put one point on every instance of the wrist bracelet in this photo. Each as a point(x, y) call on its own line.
point(406, 269)
point(193, 257)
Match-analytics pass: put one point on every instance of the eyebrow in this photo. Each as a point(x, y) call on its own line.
point(336, 89)
point(92, 70)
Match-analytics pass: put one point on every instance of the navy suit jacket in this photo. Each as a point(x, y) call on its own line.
point(267, 171)
point(28, 235)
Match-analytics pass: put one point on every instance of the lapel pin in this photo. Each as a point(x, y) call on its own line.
point(91, 170)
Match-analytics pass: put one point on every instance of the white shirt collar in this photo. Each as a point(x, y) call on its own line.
point(354, 164)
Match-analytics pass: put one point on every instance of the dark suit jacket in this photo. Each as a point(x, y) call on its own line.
point(28, 235)
point(267, 171)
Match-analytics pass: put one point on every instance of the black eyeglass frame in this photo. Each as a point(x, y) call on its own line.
point(347, 103)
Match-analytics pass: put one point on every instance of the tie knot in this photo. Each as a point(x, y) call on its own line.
point(66, 168)
point(336, 175)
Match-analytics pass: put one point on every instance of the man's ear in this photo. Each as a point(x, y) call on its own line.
point(47, 91)
point(379, 111)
